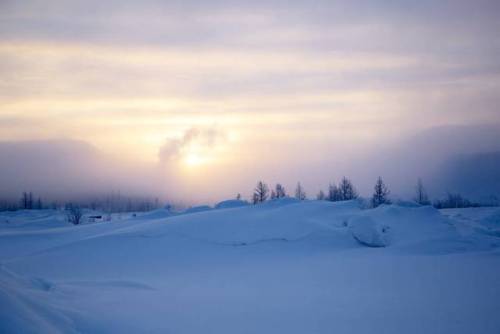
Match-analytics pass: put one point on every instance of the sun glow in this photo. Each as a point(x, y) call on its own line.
point(194, 160)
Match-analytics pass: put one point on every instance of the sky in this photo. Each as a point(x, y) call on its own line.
point(200, 99)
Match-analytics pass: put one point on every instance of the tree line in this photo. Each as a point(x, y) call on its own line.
point(113, 202)
point(342, 192)
point(345, 190)
point(28, 202)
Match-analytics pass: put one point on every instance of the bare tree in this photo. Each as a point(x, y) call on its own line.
point(238, 197)
point(39, 204)
point(280, 191)
point(24, 200)
point(255, 198)
point(321, 196)
point(454, 201)
point(421, 194)
point(30, 201)
point(27, 201)
point(273, 194)
point(380, 194)
point(261, 193)
point(300, 194)
point(347, 190)
point(74, 214)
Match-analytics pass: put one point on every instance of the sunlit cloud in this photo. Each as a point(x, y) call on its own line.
point(192, 146)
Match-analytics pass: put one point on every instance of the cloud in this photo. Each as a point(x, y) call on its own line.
point(297, 85)
point(204, 138)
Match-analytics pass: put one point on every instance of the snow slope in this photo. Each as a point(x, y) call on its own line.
point(280, 267)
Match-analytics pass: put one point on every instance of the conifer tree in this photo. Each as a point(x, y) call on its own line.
point(380, 193)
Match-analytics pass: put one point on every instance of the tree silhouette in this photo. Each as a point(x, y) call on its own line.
point(334, 194)
point(421, 194)
point(300, 194)
point(273, 194)
point(347, 190)
point(74, 214)
point(380, 193)
point(260, 193)
point(321, 196)
point(280, 191)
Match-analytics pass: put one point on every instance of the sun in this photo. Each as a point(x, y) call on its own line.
point(193, 159)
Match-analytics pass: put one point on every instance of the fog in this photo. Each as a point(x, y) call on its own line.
point(68, 170)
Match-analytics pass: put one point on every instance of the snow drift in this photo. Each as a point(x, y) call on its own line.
point(282, 266)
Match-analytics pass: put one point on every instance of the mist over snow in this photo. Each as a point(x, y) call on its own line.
point(69, 170)
point(457, 159)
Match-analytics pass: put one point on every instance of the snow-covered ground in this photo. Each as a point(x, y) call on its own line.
point(280, 267)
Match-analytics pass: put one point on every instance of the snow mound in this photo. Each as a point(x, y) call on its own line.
point(407, 204)
point(156, 214)
point(279, 220)
point(367, 232)
point(413, 225)
point(279, 202)
point(163, 272)
point(231, 203)
point(199, 208)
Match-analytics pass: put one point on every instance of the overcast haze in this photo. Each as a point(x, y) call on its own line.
point(197, 100)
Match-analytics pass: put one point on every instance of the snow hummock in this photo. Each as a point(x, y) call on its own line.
point(199, 208)
point(231, 203)
point(367, 232)
point(284, 266)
